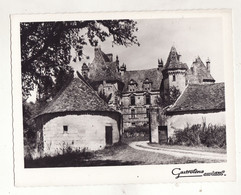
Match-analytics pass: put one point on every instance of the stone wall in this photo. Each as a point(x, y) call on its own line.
point(180, 79)
point(177, 122)
point(157, 119)
point(84, 131)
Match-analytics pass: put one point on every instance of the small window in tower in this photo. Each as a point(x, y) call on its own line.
point(65, 128)
point(133, 102)
point(174, 78)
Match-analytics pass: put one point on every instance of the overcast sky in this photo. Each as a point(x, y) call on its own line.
point(191, 37)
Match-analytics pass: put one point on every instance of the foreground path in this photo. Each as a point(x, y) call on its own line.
point(143, 145)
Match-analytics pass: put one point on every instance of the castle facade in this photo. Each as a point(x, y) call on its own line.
point(134, 93)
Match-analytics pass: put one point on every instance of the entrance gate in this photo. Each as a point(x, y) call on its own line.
point(108, 135)
point(162, 134)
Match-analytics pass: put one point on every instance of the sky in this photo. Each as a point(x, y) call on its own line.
point(191, 37)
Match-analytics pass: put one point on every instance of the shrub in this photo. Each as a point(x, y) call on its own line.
point(138, 131)
point(70, 157)
point(210, 136)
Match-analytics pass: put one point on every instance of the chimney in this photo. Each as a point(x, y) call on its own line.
point(85, 70)
point(208, 65)
point(179, 57)
point(160, 64)
point(122, 69)
point(110, 56)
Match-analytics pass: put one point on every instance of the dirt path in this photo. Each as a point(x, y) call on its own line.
point(143, 145)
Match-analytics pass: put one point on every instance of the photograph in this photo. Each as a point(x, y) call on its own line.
point(123, 92)
point(145, 95)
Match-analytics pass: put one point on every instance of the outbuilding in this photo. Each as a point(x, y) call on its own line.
point(198, 104)
point(77, 118)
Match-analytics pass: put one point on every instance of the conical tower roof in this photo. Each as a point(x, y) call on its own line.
point(173, 61)
point(76, 97)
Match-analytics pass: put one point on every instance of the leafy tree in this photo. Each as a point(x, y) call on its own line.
point(46, 54)
point(46, 47)
point(170, 98)
point(174, 94)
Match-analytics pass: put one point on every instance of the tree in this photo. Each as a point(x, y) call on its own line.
point(46, 47)
point(174, 94)
point(170, 98)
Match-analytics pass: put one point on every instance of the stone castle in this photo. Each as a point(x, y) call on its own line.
point(134, 93)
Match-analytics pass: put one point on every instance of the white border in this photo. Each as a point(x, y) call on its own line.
point(123, 174)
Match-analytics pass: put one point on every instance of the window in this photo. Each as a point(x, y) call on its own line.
point(148, 99)
point(132, 113)
point(65, 128)
point(147, 112)
point(133, 102)
point(174, 77)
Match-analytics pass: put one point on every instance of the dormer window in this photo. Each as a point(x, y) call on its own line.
point(147, 85)
point(132, 85)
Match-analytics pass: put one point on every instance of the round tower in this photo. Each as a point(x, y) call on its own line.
point(174, 74)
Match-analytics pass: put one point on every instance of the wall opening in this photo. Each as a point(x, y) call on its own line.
point(108, 135)
point(65, 129)
point(162, 134)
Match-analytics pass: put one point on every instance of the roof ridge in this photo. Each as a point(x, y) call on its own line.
point(141, 70)
point(91, 88)
point(78, 95)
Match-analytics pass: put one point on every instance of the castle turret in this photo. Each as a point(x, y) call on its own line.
point(174, 74)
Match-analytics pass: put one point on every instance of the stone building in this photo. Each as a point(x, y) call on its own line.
point(104, 76)
point(197, 104)
point(134, 93)
point(131, 92)
point(78, 118)
point(94, 108)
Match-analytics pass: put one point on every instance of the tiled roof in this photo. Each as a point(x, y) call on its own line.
point(102, 68)
point(173, 61)
point(77, 96)
point(198, 73)
point(198, 97)
point(154, 76)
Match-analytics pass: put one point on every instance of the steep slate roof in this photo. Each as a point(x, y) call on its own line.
point(102, 68)
point(154, 76)
point(199, 98)
point(198, 72)
point(173, 61)
point(77, 96)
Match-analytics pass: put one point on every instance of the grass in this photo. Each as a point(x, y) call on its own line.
point(147, 158)
point(116, 155)
point(192, 148)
